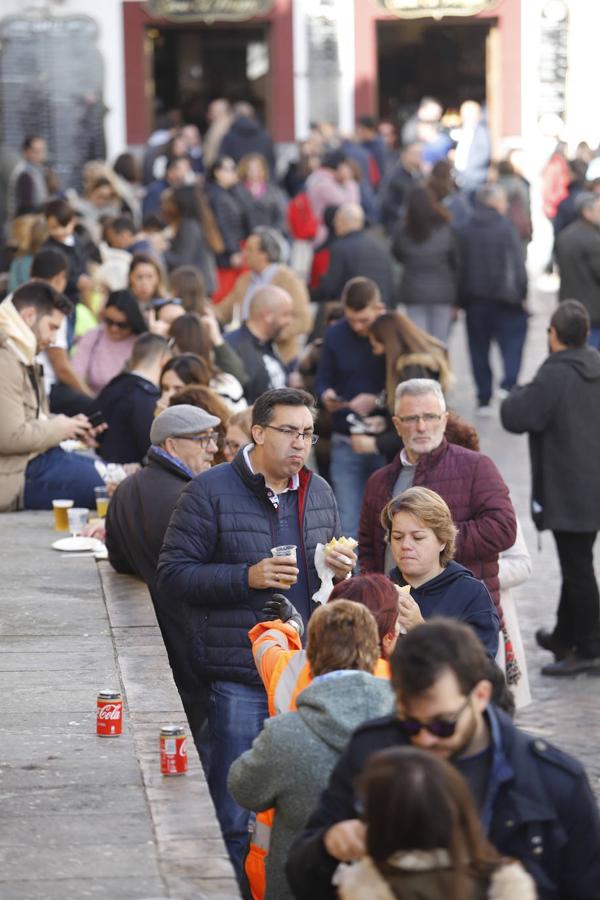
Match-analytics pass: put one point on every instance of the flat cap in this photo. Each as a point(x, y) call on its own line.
point(181, 421)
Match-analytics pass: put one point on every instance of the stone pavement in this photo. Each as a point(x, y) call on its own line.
point(564, 711)
point(84, 816)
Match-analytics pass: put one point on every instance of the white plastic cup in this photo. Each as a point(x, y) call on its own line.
point(286, 550)
point(77, 517)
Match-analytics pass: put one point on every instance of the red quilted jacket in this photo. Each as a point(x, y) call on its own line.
point(478, 499)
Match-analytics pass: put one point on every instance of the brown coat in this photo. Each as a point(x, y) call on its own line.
point(286, 279)
point(24, 433)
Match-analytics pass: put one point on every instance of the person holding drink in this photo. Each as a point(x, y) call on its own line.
point(221, 558)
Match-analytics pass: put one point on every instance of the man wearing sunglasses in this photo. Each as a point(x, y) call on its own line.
point(535, 801)
point(217, 561)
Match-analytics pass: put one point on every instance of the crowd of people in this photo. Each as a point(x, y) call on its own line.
point(254, 357)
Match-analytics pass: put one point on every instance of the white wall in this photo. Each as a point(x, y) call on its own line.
point(109, 18)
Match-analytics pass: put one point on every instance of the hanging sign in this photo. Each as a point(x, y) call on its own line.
point(207, 10)
point(418, 9)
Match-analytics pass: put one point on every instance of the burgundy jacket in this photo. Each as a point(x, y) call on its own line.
point(479, 501)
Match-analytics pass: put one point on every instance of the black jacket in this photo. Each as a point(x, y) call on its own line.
point(138, 516)
point(539, 809)
point(127, 403)
point(394, 193)
point(456, 593)
point(246, 135)
point(224, 523)
point(559, 409)
point(492, 259)
point(355, 254)
point(430, 268)
point(252, 352)
point(577, 252)
point(136, 521)
point(232, 219)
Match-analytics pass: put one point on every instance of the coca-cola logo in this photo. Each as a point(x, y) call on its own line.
point(183, 748)
point(110, 711)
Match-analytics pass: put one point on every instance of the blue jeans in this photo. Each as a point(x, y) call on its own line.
point(594, 338)
point(350, 472)
point(236, 713)
point(434, 318)
point(507, 325)
point(56, 474)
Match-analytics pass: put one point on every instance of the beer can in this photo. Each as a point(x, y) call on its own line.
point(109, 715)
point(173, 750)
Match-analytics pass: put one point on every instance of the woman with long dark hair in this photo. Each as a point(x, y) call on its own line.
point(181, 210)
point(201, 335)
point(428, 249)
point(103, 352)
point(424, 838)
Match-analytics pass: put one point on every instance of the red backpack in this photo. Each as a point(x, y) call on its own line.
point(302, 222)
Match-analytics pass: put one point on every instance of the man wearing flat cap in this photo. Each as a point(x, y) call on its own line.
point(183, 445)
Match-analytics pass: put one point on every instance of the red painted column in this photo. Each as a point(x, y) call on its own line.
point(281, 76)
point(134, 22)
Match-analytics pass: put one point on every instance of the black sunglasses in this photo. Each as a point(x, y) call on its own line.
point(112, 323)
point(442, 728)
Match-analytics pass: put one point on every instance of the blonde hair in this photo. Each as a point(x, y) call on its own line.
point(244, 165)
point(408, 346)
point(342, 635)
point(430, 509)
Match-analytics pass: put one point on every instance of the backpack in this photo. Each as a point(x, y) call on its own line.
point(302, 222)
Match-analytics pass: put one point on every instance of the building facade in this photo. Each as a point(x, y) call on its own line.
point(75, 68)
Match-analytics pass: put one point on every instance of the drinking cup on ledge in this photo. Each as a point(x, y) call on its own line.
point(60, 508)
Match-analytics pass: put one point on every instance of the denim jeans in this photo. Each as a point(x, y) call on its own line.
point(594, 338)
point(507, 325)
point(350, 472)
point(56, 474)
point(434, 318)
point(236, 713)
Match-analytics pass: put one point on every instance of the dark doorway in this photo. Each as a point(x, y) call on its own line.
point(193, 66)
point(418, 58)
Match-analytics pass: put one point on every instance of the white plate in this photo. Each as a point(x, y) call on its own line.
point(77, 544)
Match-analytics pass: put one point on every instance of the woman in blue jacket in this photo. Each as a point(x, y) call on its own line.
point(421, 535)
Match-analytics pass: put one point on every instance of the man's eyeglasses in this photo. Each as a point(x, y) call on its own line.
point(426, 418)
point(442, 728)
point(112, 323)
point(308, 437)
point(202, 439)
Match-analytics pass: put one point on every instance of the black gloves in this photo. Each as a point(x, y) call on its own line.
point(279, 607)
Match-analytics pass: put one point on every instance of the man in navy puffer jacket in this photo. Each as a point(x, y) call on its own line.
point(216, 559)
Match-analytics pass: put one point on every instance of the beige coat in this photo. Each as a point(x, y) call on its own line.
point(412, 877)
point(284, 278)
point(25, 429)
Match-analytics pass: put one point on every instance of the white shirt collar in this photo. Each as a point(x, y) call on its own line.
point(405, 460)
point(293, 484)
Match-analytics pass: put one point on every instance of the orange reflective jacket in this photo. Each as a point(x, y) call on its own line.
point(283, 667)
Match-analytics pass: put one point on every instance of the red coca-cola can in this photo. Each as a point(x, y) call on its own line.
point(173, 750)
point(109, 715)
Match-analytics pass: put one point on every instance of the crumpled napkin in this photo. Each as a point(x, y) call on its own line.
point(325, 573)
